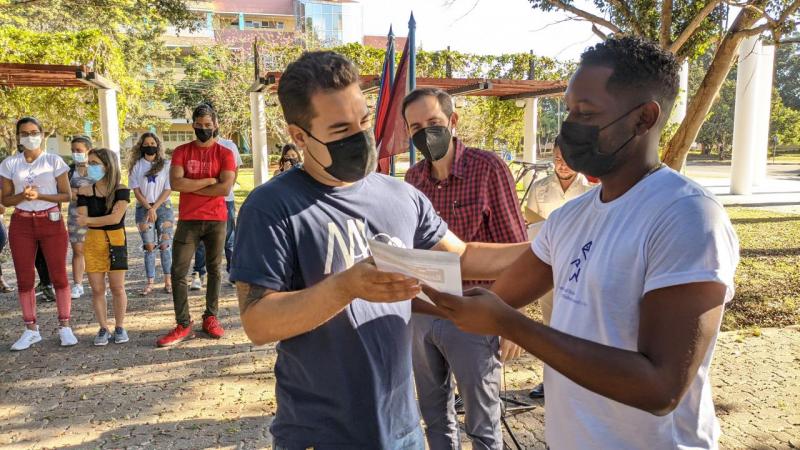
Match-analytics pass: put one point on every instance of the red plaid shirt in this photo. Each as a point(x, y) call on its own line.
point(478, 200)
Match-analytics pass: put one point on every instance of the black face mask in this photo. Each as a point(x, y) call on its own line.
point(433, 142)
point(203, 134)
point(352, 158)
point(580, 147)
point(149, 150)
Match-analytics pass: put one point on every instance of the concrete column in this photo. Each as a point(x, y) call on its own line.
point(766, 62)
point(109, 121)
point(679, 110)
point(530, 126)
point(745, 116)
point(259, 148)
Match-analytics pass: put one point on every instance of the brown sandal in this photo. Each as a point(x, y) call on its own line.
point(148, 288)
point(168, 289)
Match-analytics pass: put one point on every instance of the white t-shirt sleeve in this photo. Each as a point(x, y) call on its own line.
point(5, 168)
point(693, 241)
point(133, 181)
point(543, 243)
point(59, 166)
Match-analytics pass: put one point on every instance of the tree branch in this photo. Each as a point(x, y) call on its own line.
point(665, 34)
point(629, 16)
point(599, 33)
point(690, 29)
point(597, 20)
point(772, 25)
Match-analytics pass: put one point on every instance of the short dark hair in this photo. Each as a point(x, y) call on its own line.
point(202, 110)
point(444, 99)
point(311, 73)
point(29, 119)
point(637, 64)
point(82, 139)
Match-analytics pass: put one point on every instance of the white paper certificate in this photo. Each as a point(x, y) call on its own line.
point(439, 270)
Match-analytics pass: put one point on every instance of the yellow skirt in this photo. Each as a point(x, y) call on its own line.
point(96, 251)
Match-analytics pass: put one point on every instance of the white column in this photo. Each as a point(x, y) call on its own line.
point(258, 124)
point(745, 116)
point(679, 110)
point(530, 126)
point(766, 61)
point(109, 121)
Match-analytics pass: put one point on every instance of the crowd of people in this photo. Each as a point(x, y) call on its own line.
point(633, 273)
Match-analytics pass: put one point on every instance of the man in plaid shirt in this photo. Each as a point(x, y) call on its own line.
point(474, 192)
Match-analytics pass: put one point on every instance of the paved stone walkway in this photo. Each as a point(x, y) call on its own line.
point(220, 393)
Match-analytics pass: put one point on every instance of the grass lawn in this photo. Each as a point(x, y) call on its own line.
point(768, 277)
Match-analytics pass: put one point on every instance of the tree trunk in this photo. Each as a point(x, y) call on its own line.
point(703, 99)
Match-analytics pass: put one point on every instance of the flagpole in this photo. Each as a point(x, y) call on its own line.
point(390, 59)
point(412, 76)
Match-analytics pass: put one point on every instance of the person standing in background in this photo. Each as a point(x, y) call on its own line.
point(34, 183)
point(78, 178)
point(148, 177)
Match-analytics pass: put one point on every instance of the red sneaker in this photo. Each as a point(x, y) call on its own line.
point(178, 334)
point(212, 327)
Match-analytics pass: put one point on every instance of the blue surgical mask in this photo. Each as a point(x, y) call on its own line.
point(96, 172)
point(79, 158)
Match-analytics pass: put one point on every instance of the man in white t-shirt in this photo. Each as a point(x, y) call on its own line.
point(199, 270)
point(642, 269)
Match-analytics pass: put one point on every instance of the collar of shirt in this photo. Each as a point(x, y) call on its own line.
point(457, 170)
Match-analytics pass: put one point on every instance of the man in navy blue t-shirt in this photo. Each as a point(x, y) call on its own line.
point(304, 277)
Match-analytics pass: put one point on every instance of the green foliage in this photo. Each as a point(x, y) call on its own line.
point(784, 122)
point(120, 39)
point(787, 73)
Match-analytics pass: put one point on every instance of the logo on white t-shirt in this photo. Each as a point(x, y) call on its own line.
point(576, 263)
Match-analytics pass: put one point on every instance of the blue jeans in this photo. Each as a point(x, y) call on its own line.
point(200, 253)
point(159, 235)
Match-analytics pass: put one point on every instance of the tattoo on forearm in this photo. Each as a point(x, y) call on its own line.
point(249, 294)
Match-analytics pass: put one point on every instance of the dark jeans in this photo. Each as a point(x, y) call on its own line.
point(200, 253)
point(41, 268)
point(188, 235)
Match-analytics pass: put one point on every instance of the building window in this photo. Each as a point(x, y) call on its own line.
point(269, 24)
point(178, 137)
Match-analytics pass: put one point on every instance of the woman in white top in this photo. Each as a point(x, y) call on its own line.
point(148, 176)
point(35, 183)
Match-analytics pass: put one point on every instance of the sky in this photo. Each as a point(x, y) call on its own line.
point(481, 26)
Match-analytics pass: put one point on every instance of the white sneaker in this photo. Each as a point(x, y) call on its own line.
point(28, 338)
point(67, 338)
point(77, 291)
point(197, 283)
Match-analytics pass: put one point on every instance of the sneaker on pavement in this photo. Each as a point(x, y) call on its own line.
point(537, 392)
point(120, 335)
point(102, 338)
point(212, 327)
point(68, 339)
point(178, 334)
point(197, 282)
point(77, 291)
point(46, 291)
point(28, 338)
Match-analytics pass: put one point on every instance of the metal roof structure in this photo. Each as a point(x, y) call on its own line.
point(51, 75)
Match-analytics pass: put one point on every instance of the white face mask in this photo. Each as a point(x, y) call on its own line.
point(79, 158)
point(31, 142)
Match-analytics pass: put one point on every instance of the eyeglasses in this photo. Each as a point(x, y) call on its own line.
point(24, 134)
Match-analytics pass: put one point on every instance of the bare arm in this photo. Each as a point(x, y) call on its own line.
point(141, 198)
point(182, 184)
point(109, 219)
point(481, 261)
point(269, 316)
point(162, 198)
point(676, 327)
point(9, 198)
point(221, 188)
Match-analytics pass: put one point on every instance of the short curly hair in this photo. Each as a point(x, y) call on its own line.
point(311, 73)
point(637, 64)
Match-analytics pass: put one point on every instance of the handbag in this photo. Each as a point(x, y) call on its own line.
point(118, 255)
